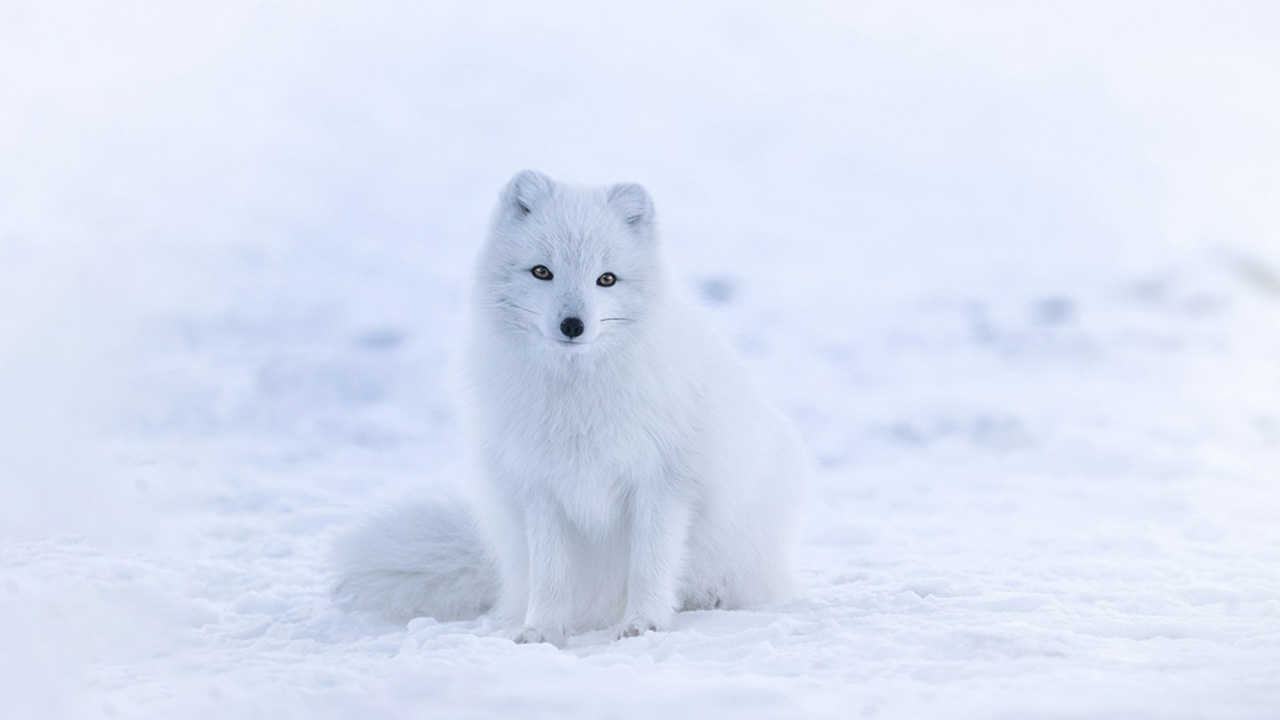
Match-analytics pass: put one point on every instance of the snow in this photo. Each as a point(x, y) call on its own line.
point(1014, 272)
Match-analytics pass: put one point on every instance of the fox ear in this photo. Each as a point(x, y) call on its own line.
point(525, 191)
point(633, 204)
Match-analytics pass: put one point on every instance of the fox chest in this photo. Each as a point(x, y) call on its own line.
point(588, 455)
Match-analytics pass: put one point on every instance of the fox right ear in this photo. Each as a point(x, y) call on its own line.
point(524, 192)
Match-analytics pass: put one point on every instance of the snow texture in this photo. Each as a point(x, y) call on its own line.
point(1012, 268)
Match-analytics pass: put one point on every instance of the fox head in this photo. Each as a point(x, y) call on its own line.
point(570, 269)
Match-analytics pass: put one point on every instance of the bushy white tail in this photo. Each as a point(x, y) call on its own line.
point(416, 559)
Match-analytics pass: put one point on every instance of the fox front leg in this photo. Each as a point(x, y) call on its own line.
point(659, 531)
point(550, 605)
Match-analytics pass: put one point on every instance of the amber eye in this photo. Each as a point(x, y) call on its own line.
point(606, 280)
point(541, 272)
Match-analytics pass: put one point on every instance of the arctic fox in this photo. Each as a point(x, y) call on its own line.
point(628, 468)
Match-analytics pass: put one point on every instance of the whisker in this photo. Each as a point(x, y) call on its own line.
point(615, 319)
point(519, 307)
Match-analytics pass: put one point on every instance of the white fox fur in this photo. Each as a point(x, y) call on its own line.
point(625, 473)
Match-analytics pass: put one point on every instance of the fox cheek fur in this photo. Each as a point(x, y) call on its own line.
point(627, 466)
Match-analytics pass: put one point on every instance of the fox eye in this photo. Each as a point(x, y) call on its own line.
point(541, 272)
point(606, 280)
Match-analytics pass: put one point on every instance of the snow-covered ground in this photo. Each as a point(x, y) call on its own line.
point(1015, 273)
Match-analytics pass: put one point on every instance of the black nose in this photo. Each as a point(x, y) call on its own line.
point(571, 327)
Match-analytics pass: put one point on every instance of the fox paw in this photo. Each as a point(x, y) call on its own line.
point(707, 600)
point(533, 635)
point(636, 628)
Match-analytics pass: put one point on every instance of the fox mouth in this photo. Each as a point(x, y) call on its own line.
point(572, 345)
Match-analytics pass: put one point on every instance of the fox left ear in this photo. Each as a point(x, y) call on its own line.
point(633, 204)
point(525, 191)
